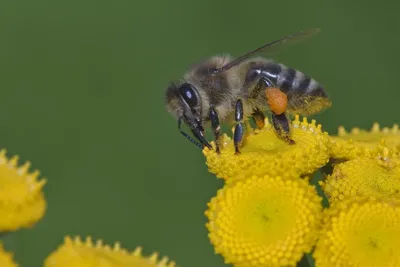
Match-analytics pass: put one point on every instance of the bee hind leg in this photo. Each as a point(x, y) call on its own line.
point(239, 127)
point(216, 128)
point(260, 88)
point(281, 125)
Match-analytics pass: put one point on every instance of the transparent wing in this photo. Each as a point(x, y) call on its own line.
point(271, 47)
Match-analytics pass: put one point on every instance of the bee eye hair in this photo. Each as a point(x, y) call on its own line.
point(187, 91)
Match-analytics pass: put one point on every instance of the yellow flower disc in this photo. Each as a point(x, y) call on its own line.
point(263, 153)
point(378, 177)
point(362, 233)
point(6, 258)
point(78, 253)
point(22, 202)
point(264, 221)
point(358, 142)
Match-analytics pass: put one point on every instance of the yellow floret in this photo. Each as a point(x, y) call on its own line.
point(358, 142)
point(78, 253)
point(364, 233)
point(6, 258)
point(265, 221)
point(377, 176)
point(22, 202)
point(263, 153)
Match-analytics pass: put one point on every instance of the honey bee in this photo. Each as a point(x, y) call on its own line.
point(224, 89)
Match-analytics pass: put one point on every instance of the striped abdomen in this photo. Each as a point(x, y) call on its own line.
point(287, 79)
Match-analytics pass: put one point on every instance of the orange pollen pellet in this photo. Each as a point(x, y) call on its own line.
point(276, 100)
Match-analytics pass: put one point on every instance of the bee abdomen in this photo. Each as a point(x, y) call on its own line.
point(287, 79)
point(291, 80)
point(269, 70)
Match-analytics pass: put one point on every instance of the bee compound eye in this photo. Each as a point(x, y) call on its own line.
point(187, 91)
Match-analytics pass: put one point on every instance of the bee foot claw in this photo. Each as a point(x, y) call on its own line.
point(291, 142)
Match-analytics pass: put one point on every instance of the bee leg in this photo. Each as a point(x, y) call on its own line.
point(239, 127)
point(200, 136)
point(259, 89)
point(281, 125)
point(197, 134)
point(259, 118)
point(215, 127)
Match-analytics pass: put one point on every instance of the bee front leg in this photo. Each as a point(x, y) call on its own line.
point(215, 127)
point(239, 127)
point(281, 125)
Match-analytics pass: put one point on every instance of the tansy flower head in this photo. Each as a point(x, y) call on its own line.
point(364, 233)
point(6, 258)
point(78, 253)
point(22, 202)
point(265, 221)
point(367, 176)
point(358, 142)
point(264, 153)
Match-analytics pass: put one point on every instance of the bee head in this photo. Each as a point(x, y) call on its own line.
point(183, 101)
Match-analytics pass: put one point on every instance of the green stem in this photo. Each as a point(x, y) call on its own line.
point(310, 260)
point(306, 261)
point(4, 234)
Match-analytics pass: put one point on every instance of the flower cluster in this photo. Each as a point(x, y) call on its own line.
point(22, 205)
point(6, 258)
point(264, 220)
point(22, 202)
point(85, 253)
point(270, 211)
point(265, 154)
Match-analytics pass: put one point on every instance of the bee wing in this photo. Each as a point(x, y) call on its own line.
point(307, 104)
point(271, 47)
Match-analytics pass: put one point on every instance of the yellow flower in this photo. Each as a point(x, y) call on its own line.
point(22, 202)
point(263, 153)
point(364, 233)
point(367, 176)
point(264, 221)
point(359, 142)
point(6, 258)
point(78, 253)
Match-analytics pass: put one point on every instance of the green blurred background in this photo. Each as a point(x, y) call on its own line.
point(82, 97)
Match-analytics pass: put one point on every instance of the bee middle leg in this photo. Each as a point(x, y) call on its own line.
point(281, 125)
point(259, 118)
point(215, 127)
point(239, 127)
